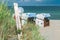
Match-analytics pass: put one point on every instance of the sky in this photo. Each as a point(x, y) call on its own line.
point(34, 2)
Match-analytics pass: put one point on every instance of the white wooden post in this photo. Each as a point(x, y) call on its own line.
point(18, 23)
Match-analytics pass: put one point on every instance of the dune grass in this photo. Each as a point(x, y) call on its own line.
point(6, 22)
point(7, 26)
point(30, 32)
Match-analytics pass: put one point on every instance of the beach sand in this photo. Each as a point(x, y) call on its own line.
point(51, 32)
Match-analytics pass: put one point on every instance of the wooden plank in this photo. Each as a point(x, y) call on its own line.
point(18, 23)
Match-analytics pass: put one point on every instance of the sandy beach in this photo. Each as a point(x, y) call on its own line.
point(51, 32)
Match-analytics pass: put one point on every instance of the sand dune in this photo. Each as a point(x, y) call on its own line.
point(51, 32)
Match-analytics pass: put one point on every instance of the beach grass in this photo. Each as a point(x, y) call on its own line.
point(8, 27)
point(7, 23)
point(30, 32)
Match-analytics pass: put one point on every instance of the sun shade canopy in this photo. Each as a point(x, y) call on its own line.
point(31, 14)
point(46, 15)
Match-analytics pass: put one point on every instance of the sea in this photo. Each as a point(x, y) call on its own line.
point(53, 10)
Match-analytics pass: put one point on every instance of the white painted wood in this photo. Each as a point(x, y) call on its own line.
point(18, 23)
point(39, 20)
point(24, 18)
point(39, 23)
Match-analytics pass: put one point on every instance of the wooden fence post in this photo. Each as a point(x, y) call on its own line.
point(18, 22)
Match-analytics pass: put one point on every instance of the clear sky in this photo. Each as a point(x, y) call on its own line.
point(35, 2)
